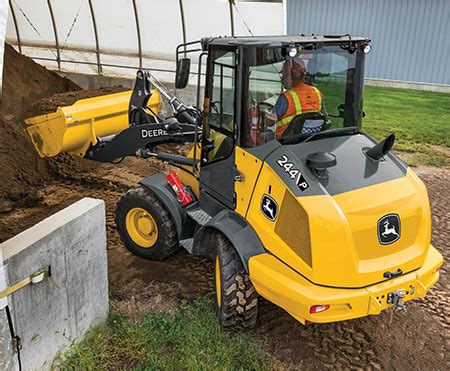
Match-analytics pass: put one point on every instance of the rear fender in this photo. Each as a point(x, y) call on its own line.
point(234, 227)
point(160, 187)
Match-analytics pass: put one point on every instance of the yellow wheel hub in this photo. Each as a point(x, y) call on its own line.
point(141, 227)
point(218, 284)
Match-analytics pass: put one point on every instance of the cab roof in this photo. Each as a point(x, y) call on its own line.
point(281, 40)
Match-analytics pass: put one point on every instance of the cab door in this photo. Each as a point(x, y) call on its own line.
point(218, 170)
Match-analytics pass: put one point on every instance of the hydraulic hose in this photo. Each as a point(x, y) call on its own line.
point(173, 100)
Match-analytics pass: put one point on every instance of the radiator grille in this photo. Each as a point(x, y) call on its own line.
point(293, 228)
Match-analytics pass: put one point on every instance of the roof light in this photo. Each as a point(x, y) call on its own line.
point(319, 308)
point(292, 52)
point(366, 48)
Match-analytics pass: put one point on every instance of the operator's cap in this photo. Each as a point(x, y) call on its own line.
point(295, 66)
point(292, 72)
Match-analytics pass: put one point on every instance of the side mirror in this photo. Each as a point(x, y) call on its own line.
point(182, 74)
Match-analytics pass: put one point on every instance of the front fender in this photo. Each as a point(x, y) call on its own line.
point(234, 227)
point(160, 187)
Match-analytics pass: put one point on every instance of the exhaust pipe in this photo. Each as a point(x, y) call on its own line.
point(381, 149)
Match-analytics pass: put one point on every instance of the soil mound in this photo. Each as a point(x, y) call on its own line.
point(22, 170)
point(30, 89)
point(25, 82)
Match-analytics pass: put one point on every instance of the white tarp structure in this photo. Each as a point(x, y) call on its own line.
point(115, 37)
point(3, 19)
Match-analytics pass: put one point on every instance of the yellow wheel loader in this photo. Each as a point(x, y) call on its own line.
point(321, 219)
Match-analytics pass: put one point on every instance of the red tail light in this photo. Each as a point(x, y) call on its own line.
point(183, 195)
point(437, 269)
point(319, 308)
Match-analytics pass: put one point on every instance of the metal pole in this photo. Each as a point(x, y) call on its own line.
point(52, 15)
point(138, 30)
point(97, 46)
point(183, 25)
point(231, 2)
point(194, 167)
point(16, 26)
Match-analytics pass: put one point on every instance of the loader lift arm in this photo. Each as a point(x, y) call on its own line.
point(139, 141)
point(141, 94)
point(148, 131)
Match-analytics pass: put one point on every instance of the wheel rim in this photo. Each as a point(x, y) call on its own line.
point(218, 285)
point(141, 227)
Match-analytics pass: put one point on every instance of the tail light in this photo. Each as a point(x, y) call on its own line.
point(318, 308)
point(180, 190)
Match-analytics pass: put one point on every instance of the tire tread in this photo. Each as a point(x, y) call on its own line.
point(239, 299)
point(167, 242)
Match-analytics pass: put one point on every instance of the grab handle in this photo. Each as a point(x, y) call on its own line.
point(390, 275)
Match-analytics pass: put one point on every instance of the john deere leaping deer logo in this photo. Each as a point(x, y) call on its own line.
point(269, 207)
point(389, 229)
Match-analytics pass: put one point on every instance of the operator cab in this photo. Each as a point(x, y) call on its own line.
point(244, 81)
point(246, 116)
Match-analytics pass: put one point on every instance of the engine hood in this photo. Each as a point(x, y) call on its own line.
point(353, 169)
point(351, 228)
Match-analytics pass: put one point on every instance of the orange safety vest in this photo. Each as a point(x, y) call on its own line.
point(301, 98)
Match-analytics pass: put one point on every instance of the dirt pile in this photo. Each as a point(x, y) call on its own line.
point(25, 82)
point(30, 89)
point(22, 170)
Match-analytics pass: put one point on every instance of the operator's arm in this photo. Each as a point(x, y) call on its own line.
point(281, 106)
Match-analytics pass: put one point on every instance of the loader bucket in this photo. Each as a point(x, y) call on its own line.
point(73, 129)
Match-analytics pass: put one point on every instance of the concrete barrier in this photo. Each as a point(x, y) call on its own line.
point(50, 315)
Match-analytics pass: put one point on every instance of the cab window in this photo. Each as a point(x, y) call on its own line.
point(222, 105)
point(333, 73)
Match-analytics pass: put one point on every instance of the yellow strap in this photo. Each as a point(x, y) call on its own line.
point(15, 287)
point(36, 277)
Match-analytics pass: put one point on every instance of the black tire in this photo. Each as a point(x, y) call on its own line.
point(236, 298)
point(166, 240)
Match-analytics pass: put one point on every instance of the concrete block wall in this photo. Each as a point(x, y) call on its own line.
point(49, 315)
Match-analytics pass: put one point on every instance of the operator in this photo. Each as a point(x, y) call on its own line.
point(298, 98)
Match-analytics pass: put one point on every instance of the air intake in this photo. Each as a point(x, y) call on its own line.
point(293, 227)
point(380, 149)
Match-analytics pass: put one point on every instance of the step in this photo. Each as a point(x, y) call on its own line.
point(188, 244)
point(200, 216)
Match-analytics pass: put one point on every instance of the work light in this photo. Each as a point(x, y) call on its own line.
point(292, 52)
point(366, 48)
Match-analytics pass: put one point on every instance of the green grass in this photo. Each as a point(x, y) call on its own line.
point(419, 120)
point(188, 339)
